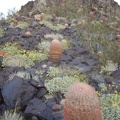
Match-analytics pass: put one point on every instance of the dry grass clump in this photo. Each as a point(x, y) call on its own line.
point(18, 60)
point(1, 32)
point(44, 46)
point(54, 36)
point(11, 115)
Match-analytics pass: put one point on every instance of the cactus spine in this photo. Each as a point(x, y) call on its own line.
point(82, 103)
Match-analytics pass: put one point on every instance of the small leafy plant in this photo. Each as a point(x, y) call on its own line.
point(60, 84)
point(109, 67)
point(11, 115)
point(110, 104)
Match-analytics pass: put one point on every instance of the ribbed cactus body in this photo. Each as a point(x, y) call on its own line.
point(81, 103)
point(42, 16)
point(55, 51)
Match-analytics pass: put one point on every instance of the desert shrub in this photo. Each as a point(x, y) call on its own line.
point(18, 60)
point(54, 27)
point(57, 27)
point(22, 25)
point(33, 55)
point(65, 44)
point(37, 55)
point(37, 75)
point(109, 67)
point(61, 78)
point(40, 5)
point(22, 74)
point(54, 36)
point(47, 17)
point(65, 8)
point(1, 32)
point(46, 23)
point(11, 49)
point(63, 71)
point(44, 46)
point(11, 115)
point(97, 37)
point(59, 84)
point(110, 104)
point(96, 34)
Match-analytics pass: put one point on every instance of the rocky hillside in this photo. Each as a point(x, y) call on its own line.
point(48, 46)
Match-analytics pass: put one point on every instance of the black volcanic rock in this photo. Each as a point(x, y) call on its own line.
point(59, 116)
point(37, 107)
point(116, 74)
point(51, 102)
point(13, 31)
point(17, 92)
point(28, 7)
point(1, 59)
point(41, 91)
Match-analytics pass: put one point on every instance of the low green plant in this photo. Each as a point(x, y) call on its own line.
point(37, 55)
point(18, 60)
point(64, 8)
point(59, 18)
point(41, 5)
point(22, 74)
point(11, 115)
point(45, 22)
point(54, 71)
point(37, 16)
point(37, 74)
point(44, 46)
point(1, 32)
point(33, 55)
point(22, 25)
point(98, 36)
point(54, 27)
point(61, 78)
point(54, 36)
point(11, 49)
point(57, 27)
point(109, 67)
point(65, 71)
point(65, 44)
point(60, 84)
point(110, 104)
point(47, 17)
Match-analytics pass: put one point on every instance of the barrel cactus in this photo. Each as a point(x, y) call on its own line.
point(55, 51)
point(81, 103)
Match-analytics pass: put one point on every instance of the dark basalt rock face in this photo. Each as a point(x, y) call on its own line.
point(1, 59)
point(58, 116)
point(37, 107)
point(17, 92)
point(116, 74)
point(41, 92)
point(27, 7)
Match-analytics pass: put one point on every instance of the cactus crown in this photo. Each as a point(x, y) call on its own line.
point(84, 95)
